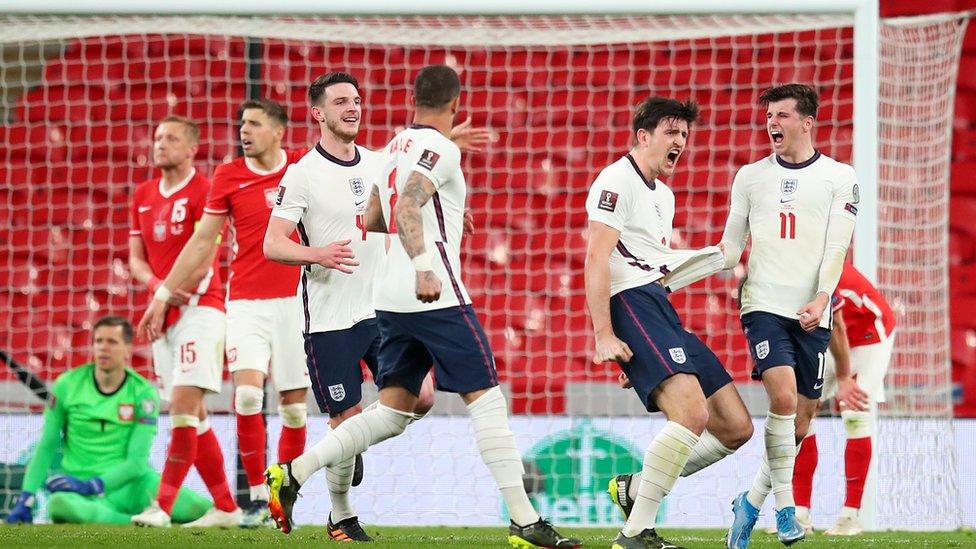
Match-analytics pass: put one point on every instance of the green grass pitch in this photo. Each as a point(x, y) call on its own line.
point(78, 537)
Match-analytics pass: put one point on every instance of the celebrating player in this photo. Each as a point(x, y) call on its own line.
point(860, 345)
point(103, 417)
point(799, 208)
point(422, 195)
point(263, 311)
point(188, 355)
point(325, 195)
point(628, 255)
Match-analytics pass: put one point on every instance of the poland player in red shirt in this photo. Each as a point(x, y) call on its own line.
point(188, 346)
point(263, 313)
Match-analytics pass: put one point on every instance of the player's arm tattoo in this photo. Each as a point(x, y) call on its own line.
point(410, 226)
point(373, 218)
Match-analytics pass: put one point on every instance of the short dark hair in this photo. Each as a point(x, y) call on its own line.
point(191, 127)
point(651, 111)
point(112, 321)
point(317, 89)
point(274, 110)
point(436, 86)
point(807, 100)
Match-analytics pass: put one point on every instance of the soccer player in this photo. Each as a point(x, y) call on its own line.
point(325, 195)
point(799, 208)
point(628, 257)
point(188, 349)
point(103, 417)
point(422, 194)
point(263, 310)
point(860, 346)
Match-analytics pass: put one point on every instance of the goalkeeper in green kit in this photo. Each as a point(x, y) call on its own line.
point(103, 417)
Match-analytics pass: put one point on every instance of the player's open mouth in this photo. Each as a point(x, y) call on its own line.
point(777, 136)
point(673, 156)
point(245, 143)
point(351, 119)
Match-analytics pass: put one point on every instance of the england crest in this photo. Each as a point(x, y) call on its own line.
point(788, 186)
point(678, 355)
point(337, 392)
point(357, 186)
point(762, 349)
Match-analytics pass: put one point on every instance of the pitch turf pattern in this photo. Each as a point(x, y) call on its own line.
point(78, 537)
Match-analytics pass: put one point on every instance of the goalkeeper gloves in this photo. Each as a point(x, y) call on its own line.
point(21, 511)
point(68, 483)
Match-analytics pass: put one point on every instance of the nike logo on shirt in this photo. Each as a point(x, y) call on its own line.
point(143, 209)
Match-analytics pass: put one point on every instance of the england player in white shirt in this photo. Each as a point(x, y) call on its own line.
point(628, 263)
point(324, 195)
point(799, 207)
point(422, 193)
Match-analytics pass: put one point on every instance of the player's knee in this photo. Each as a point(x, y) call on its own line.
point(424, 403)
point(740, 432)
point(782, 402)
point(856, 424)
point(293, 415)
point(59, 508)
point(691, 417)
point(248, 400)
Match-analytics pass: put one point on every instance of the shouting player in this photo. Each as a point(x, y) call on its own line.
point(422, 195)
point(103, 417)
point(628, 255)
point(188, 348)
point(325, 195)
point(861, 345)
point(799, 208)
point(263, 312)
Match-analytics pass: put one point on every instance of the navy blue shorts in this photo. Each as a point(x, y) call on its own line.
point(333, 364)
point(775, 340)
point(450, 339)
point(645, 320)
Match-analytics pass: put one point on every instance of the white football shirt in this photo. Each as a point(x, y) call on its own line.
point(424, 150)
point(327, 197)
point(788, 207)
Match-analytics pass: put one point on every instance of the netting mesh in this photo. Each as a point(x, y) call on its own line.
point(80, 97)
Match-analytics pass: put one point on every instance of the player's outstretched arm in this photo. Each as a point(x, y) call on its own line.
point(410, 227)
point(373, 219)
point(278, 246)
point(849, 394)
point(470, 139)
point(736, 224)
point(602, 240)
point(40, 462)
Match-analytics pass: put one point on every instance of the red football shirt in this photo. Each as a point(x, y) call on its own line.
point(867, 314)
point(247, 196)
point(165, 221)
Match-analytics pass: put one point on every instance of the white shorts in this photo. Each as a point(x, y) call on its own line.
point(191, 352)
point(869, 363)
point(263, 331)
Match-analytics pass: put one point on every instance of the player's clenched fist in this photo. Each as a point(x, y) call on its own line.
point(428, 286)
point(338, 256)
point(811, 313)
point(609, 347)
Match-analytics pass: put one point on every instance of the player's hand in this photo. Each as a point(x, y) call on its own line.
point(811, 313)
point(468, 222)
point(338, 256)
point(428, 286)
point(151, 325)
point(68, 483)
point(21, 512)
point(624, 381)
point(608, 347)
point(178, 298)
point(469, 139)
point(850, 395)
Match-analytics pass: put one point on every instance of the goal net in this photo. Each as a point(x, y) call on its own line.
point(81, 95)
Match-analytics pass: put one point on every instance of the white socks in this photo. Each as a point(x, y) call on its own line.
point(260, 493)
point(489, 418)
point(349, 439)
point(708, 451)
point(665, 458)
point(339, 479)
point(776, 470)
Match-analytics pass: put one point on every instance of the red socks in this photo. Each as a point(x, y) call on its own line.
point(803, 469)
point(291, 444)
point(180, 455)
point(210, 465)
point(251, 440)
point(857, 460)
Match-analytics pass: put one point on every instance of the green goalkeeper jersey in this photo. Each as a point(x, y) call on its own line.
point(102, 435)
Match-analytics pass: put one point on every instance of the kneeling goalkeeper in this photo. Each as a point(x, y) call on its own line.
point(103, 417)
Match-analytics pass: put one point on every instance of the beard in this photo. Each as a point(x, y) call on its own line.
point(342, 134)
